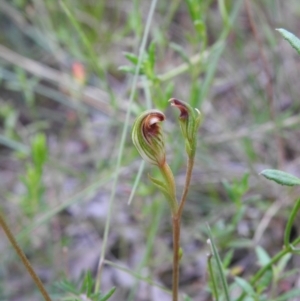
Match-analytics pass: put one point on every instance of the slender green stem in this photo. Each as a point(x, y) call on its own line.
point(176, 257)
point(24, 259)
point(212, 277)
point(265, 268)
point(282, 253)
point(187, 184)
point(176, 219)
point(288, 228)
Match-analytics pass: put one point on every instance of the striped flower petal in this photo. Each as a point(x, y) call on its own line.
point(148, 138)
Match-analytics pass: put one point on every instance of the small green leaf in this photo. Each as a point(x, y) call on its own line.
point(280, 177)
point(161, 186)
point(246, 286)
point(262, 255)
point(282, 263)
point(291, 38)
point(131, 57)
point(129, 69)
point(67, 287)
point(87, 284)
point(108, 295)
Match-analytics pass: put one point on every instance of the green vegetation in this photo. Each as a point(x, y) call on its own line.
point(74, 76)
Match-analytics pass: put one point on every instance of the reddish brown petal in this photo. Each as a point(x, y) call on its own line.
point(181, 106)
point(150, 124)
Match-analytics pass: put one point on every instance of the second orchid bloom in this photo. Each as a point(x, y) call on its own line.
point(148, 138)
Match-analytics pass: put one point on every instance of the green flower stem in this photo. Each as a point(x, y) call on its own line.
point(176, 256)
point(169, 178)
point(176, 219)
point(23, 258)
point(265, 268)
point(187, 184)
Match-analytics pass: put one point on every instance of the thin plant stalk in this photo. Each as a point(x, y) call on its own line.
point(122, 144)
point(188, 178)
point(148, 139)
point(288, 228)
point(176, 256)
point(176, 220)
point(23, 258)
point(219, 266)
point(212, 277)
point(265, 268)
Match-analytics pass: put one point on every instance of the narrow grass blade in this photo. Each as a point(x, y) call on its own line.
point(89, 48)
point(210, 72)
point(219, 265)
point(122, 144)
point(108, 295)
point(212, 277)
point(215, 55)
point(136, 182)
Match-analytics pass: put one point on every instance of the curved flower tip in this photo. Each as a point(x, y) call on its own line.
point(181, 106)
point(148, 138)
point(185, 109)
point(189, 118)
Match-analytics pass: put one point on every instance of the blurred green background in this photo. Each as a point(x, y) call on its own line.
point(67, 164)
